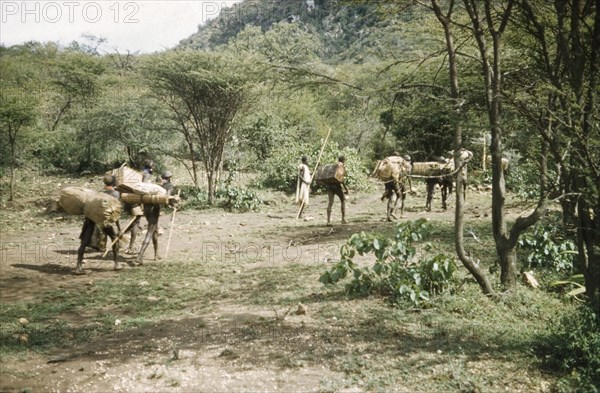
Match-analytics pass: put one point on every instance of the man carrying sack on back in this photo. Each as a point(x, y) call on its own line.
point(332, 176)
point(152, 213)
point(340, 189)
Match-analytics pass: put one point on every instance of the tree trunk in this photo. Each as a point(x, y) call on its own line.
point(210, 178)
point(12, 173)
point(492, 74)
point(466, 260)
point(12, 140)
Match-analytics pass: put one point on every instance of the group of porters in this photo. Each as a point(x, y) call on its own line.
point(395, 171)
point(104, 210)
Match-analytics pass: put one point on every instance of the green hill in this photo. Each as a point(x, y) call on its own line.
point(348, 32)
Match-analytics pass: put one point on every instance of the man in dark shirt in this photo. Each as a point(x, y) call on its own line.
point(152, 213)
point(341, 191)
point(87, 231)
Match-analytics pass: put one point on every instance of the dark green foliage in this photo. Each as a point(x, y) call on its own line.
point(422, 126)
point(573, 347)
point(261, 133)
point(397, 272)
point(280, 171)
point(523, 179)
point(193, 197)
point(546, 248)
point(237, 198)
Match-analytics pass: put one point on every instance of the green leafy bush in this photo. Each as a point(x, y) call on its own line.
point(523, 179)
point(572, 347)
point(236, 198)
point(280, 170)
point(396, 273)
point(545, 248)
point(193, 198)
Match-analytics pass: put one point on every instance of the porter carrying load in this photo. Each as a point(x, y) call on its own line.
point(330, 174)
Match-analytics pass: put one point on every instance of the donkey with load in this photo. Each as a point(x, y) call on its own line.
point(393, 171)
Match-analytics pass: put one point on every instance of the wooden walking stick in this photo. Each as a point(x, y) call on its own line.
point(314, 170)
point(120, 235)
point(171, 231)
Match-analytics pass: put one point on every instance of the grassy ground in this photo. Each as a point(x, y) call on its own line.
point(220, 314)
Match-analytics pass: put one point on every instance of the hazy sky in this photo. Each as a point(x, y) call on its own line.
point(140, 25)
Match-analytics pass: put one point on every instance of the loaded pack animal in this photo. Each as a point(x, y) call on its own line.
point(504, 163)
point(393, 171)
point(435, 173)
point(441, 173)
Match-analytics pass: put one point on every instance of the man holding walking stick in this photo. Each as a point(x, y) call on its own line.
point(303, 185)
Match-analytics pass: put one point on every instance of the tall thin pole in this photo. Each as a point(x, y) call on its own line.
point(316, 166)
point(171, 231)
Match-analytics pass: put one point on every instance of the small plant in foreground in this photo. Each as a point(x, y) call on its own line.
point(397, 272)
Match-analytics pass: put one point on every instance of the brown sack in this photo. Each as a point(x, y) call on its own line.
point(103, 209)
point(145, 199)
point(330, 174)
point(391, 168)
point(73, 199)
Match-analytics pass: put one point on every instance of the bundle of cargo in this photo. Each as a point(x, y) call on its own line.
point(126, 177)
point(72, 199)
point(330, 174)
point(148, 199)
point(432, 168)
point(391, 168)
point(99, 207)
point(146, 189)
point(103, 209)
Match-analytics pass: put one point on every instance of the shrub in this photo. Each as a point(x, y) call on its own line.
point(523, 179)
point(193, 197)
point(280, 170)
point(546, 248)
point(572, 348)
point(396, 272)
point(237, 198)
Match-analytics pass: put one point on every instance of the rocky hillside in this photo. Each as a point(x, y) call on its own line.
point(347, 31)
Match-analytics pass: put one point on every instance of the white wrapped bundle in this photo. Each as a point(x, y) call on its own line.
point(147, 188)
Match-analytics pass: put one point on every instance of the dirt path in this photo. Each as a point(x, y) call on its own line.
point(224, 346)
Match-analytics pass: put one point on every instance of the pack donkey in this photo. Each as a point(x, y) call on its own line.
point(393, 171)
point(442, 173)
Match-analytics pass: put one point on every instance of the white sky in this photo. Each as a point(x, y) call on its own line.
point(137, 25)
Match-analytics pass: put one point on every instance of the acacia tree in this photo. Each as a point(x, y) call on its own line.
point(445, 19)
point(488, 22)
point(206, 93)
point(564, 39)
point(16, 112)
